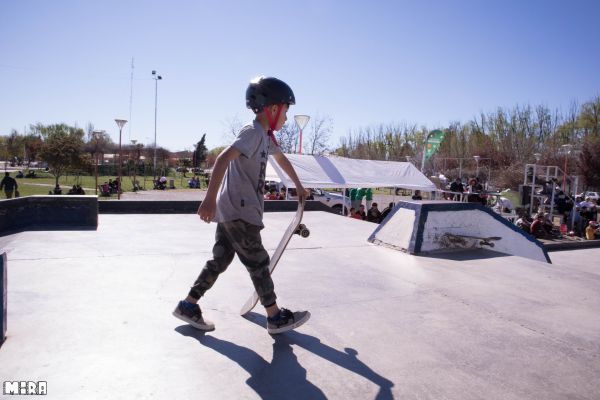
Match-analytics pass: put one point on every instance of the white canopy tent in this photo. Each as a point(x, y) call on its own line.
point(340, 172)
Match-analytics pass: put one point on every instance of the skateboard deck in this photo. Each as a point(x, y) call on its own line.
point(295, 227)
point(469, 241)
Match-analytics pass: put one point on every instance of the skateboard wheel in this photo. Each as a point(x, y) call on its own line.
point(301, 227)
point(304, 233)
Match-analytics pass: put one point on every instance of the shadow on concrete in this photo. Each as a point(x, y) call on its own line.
point(284, 377)
point(465, 255)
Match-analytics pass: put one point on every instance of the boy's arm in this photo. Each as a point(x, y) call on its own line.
point(208, 207)
point(287, 167)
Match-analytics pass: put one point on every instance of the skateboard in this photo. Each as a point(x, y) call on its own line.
point(295, 228)
point(453, 240)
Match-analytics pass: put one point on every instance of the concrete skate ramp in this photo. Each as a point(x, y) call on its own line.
point(421, 227)
point(89, 312)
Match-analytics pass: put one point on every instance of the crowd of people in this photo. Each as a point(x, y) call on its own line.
point(371, 215)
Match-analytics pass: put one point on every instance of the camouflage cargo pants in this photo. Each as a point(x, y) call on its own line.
point(241, 238)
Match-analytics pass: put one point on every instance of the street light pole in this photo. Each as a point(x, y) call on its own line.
point(120, 123)
point(301, 120)
point(477, 168)
point(95, 137)
point(156, 79)
point(567, 150)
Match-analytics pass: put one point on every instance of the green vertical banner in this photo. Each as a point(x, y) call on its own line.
point(434, 140)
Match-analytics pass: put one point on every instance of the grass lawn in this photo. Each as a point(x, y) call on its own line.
point(44, 182)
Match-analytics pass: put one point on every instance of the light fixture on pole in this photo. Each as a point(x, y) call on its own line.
point(156, 79)
point(120, 123)
point(301, 121)
point(477, 168)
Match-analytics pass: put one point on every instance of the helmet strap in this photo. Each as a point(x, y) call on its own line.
point(272, 122)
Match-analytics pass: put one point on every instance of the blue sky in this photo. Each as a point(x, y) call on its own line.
point(360, 63)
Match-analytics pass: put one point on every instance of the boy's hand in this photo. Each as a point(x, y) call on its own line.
point(207, 209)
point(302, 191)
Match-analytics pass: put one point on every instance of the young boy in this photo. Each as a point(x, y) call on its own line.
point(238, 204)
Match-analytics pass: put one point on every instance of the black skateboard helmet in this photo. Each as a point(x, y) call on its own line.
point(263, 92)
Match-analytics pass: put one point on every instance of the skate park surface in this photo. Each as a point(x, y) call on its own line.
point(89, 312)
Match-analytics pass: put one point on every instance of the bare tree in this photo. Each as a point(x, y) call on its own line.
point(232, 127)
point(287, 137)
point(318, 138)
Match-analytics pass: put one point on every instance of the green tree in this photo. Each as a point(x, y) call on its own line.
point(200, 152)
point(14, 144)
point(33, 145)
point(62, 149)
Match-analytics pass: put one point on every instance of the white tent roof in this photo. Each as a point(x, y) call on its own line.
point(338, 172)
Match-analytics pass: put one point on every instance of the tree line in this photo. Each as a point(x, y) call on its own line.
point(508, 138)
point(505, 140)
point(67, 149)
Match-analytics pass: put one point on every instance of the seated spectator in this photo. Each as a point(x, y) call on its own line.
point(417, 195)
point(105, 189)
point(537, 227)
point(590, 231)
point(192, 183)
point(374, 215)
point(271, 195)
point(282, 193)
point(19, 174)
point(524, 223)
point(352, 212)
point(57, 190)
point(30, 174)
point(387, 210)
point(73, 190)
point(362, 213)
point(355, 213)
point(79, 190)
point(160, 185)
point(504, 205)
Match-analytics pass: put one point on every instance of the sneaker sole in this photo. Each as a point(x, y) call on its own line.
point(202, 327)
point(290, 327)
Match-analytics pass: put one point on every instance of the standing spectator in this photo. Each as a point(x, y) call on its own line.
point(374, 215)
point(9, 184)
point(354, 199)
point(369, 197)
point(457, 187)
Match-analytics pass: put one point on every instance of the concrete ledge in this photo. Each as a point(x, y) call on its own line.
point(48, 213)
point(560, 245)
point(419, 227)
point(190, 207)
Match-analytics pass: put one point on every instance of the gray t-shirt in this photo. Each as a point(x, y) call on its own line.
point(241, 195)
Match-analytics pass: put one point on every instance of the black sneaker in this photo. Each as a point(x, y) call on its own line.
point(286, 320)
point(191, 314)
